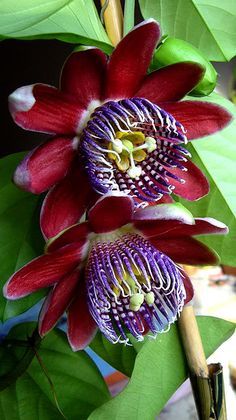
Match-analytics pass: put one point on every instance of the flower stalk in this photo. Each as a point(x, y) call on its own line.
point(113, 19)
point(206, 380)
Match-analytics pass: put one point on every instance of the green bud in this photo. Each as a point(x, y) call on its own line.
point(175, 50)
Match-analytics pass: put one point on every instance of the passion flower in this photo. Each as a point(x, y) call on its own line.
point(118, 270)
point(124, 128)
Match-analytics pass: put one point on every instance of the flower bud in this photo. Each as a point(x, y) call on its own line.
point(174, 50)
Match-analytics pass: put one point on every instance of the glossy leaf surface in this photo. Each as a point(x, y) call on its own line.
point(208, 24)
point(160, 368)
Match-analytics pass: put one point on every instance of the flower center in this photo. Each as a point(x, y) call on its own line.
point(132, 146)
point(132, 286)
point(128, 148)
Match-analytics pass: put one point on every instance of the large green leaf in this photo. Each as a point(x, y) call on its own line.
point(207, 24)
point(129, 10)
point(160, 368)
point(78, 385)
point(119, 356)
point(216, 156)
point(20, 237)
point(73, 21)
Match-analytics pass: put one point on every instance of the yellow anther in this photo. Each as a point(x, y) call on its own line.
point(111, 155)
point(136, 137)
point(139, 155)
point(123, 164)
point(131, 283)
point(116, 291)
point(127, 148)
point(135, 270)
point(120, 134)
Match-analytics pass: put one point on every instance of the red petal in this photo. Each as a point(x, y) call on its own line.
point(65, 203)
point(167, 211)
point(83, 75)
point(110, 213)
point(43, 271)
point(156, 228)
point(45, 165)
point(171, 83)
point(188, 288)
point(166, 198)
point(159, 219)
point(57, 302)
point(77, 233)
point(81, 326)
point(196, 184)
point(202, 226)
point(198, 118)
point(130, 60)
point(186, 250)
point(44, 108)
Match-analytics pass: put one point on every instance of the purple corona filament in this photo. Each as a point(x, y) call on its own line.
point(132, 287)
point(148, 178)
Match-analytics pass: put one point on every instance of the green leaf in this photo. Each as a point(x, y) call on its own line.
point(160, 368)
point(215, 155)
point(13, 367)
point(74, 21)
point(119, 356)
point(78, 386)
point(20, 236)
point(129, 10)
point(208, 24)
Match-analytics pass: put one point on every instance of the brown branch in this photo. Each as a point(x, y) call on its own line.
point(207, 381)
point(192, 342)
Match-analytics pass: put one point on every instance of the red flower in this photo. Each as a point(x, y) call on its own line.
point(117, 270)
point(127, 126)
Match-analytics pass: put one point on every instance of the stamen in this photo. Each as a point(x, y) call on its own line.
point(131, 284)
point(120, 134)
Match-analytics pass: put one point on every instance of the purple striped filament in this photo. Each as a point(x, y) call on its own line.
point(131, 146)
point(132, 288)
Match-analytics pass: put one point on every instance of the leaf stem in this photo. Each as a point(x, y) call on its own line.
point(113, 19)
